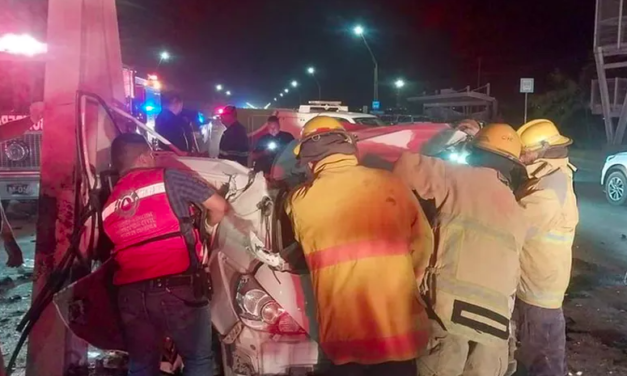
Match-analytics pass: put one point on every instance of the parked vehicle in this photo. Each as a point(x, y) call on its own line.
point(20, 157)
point(614, 178)
point(20, 163)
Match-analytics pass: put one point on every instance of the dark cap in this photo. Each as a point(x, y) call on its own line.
point(228, 110)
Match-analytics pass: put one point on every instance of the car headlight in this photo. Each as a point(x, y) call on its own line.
point(16, 151)
point(259, 311)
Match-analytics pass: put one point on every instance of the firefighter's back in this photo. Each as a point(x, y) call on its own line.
point(354, 224)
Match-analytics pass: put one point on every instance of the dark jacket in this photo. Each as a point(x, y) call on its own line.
point(175, 129)
point(234, 144)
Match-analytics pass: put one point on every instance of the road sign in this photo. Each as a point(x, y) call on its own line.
point(376, 105)
point(526, 85)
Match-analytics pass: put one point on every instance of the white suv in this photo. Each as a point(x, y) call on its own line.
point(614, 178)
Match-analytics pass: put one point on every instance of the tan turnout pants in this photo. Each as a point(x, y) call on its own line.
point(451, 355)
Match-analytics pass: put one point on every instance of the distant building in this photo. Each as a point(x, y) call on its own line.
point(448, 105)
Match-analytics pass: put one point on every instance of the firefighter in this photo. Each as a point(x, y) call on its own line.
point(162, 288)
point(550, 206)
point(471, 281)
point(359, 228)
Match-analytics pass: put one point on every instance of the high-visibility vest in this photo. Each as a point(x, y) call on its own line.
point(479, 230)
point(148, 237)
point(550, 205)
point(355, 226)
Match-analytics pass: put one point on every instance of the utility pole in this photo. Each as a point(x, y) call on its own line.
point(84, 39)
point(359, 31)
point(479, 73)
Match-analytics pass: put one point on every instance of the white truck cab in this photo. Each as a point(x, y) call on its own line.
point(335, 110)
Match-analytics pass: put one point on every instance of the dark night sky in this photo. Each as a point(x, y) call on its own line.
point(256, 47)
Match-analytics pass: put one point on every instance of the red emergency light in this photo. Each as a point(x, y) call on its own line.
point(21, 44)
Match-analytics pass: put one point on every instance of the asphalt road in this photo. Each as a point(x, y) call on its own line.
point(596, 302)
point(602, 227)
point(595, 306)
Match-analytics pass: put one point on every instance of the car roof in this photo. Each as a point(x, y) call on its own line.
point(345, 114)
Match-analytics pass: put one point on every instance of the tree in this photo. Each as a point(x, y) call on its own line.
point(565, 104)
point(561, 102)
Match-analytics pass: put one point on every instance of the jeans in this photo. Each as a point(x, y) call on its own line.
point(150, 314)
point(406, 368)
point(542, 340)
point(451, 355)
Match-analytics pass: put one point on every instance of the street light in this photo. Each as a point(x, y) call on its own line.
point(399, 85)
point(294, 84)
point(286, 91)
point(163, 56)
point(281, 94)
point(312, 73)
point(228, 93)
point(275, 99)
point(219, 87)
point(359, 31)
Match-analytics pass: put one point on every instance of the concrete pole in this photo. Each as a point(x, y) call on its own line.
point(83, 54)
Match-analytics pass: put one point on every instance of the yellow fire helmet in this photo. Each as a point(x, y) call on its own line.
point(318, 126)
point(499, 139)
point(537, 133)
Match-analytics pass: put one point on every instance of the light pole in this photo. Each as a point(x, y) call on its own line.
point(219, 87)
point(312, 73)
point(399, 85)
point(294, 84)
point(228, 93)
point(359, 31)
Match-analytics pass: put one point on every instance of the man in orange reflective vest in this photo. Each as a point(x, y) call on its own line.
point(162, 291)
point(360, 230)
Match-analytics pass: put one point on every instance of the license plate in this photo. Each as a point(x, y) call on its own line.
point(18, 189)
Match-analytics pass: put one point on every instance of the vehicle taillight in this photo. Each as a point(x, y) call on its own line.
point(259, 311)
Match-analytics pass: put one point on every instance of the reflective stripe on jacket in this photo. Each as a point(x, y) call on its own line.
point(479, 229)
point(359, 229)
point(550, 207)
point(146, 233)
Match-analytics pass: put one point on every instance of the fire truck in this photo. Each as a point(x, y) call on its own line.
point(20, 158)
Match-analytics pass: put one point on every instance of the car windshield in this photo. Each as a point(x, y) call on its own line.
point(370, 121)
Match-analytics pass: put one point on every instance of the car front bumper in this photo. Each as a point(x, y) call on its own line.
point(261, 353)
